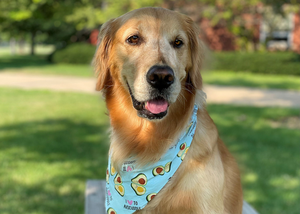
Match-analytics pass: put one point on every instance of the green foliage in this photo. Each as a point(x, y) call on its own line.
point(77, 53)
point(26, 15)
point(39, 17)
point(60, 19)
point(267, 63)
point(94, 14)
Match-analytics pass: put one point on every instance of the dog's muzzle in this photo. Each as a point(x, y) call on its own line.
point(160, 79)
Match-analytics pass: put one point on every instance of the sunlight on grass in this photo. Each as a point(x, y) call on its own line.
point(250, 177)
point(57, 69)
point(286, 182)
point(39, 49)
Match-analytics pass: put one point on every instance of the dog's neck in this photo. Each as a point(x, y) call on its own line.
point(139, 137)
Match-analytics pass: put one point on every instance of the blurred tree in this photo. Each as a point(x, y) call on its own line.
point(61, 19)
point(241, 17)
point(20, 17)
point(95, 13)
point(277, 5)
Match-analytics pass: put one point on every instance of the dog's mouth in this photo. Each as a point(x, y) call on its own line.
point(153, 109)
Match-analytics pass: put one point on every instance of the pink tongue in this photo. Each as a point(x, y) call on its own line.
point(157, 106)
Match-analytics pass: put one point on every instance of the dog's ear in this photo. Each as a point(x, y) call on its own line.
point(194, 78)
point(101, 59)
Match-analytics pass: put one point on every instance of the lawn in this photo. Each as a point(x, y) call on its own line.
point(246, 79)
point(52, 142)
point(218, 76)
point(39, 65)
point(286, 63)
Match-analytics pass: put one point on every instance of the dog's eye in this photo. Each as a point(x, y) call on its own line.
point(133, 40)
point(177, 43)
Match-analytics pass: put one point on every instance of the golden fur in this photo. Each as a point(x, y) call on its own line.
point(208, 181)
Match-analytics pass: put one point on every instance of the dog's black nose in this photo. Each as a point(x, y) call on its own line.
point(160, 77)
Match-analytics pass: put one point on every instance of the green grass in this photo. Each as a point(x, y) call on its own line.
point(39, 49)
point(52, 142)
point(39, 65)
point(268, 157)
point(243, 79)
point(286, 63)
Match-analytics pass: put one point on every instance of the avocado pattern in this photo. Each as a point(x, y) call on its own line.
point(183, 150)
point(150, 196)
point(118, 185)
point(112, 170)
point(160, 170)
point(139, 190)
point(168, 167)
point(111, 211)
point(138, 184)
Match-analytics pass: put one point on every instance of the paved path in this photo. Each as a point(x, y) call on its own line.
point(215, 94)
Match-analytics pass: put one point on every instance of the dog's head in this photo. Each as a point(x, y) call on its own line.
point(153, 53)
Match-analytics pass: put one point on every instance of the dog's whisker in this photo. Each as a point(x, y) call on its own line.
point(188, 90)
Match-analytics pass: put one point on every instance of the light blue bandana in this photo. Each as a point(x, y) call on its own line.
point(132, 188)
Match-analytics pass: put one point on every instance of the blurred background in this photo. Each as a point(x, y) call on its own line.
point(53, 131)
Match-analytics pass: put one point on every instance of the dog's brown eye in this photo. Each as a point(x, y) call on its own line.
point(133, 40)
point(177, 43)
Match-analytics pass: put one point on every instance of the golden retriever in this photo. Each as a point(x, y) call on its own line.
point(148, 63)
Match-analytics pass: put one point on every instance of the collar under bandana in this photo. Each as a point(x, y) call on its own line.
point(132, 188)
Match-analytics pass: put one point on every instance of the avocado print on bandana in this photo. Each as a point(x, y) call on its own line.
point(160, 170)
point(131, 188)
point(183, 150)
point(150, 196)
point(111, 211)
point(138, 184)
point(118, 185)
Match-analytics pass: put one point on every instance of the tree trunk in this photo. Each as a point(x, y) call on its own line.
point(32, 52)
point(12, 44)
point(21, 44)
point(255, 46)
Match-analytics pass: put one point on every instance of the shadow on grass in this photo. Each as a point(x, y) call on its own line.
point(267, 157)
point(22, 61)
point(46, 164)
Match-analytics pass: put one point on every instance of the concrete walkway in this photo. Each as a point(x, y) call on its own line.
point(215, 94)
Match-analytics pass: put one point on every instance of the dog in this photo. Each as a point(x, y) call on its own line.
point(148, 64)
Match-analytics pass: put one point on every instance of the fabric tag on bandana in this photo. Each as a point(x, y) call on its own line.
point(132, 188)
